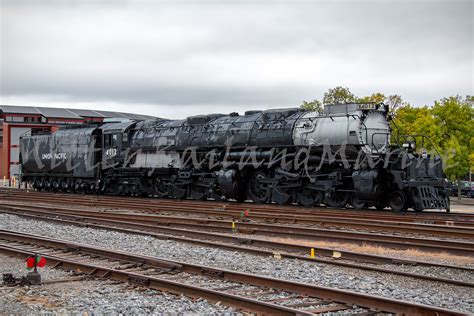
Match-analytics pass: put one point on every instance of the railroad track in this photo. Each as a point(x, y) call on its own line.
point(248, 292)
point(254, 246)
point(464, 248)
point(315, 221)
point(295, 213)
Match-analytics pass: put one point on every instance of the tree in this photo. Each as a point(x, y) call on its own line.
point(314, 106)
point(409, 120)
point(395, 102)
point(456, 162)
point(455, 118)
point(338, 95)
point(374, 98)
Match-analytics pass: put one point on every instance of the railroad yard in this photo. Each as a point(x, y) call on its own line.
point(139, 255)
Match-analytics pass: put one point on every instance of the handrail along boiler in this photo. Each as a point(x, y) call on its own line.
point(340, 157)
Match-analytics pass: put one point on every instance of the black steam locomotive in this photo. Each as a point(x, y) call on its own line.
point(341, 157)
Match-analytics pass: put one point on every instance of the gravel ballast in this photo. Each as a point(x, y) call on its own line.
point(410, 289)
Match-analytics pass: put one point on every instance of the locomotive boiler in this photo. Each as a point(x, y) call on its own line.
point(344, 156)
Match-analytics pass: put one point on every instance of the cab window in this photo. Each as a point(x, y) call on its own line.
point(111, 140)
point(115, 140)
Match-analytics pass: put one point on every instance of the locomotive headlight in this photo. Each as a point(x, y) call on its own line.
point(409, 145)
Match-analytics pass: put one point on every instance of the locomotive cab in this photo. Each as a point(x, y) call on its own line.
point(115, 143)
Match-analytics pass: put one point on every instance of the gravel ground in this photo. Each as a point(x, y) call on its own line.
point(408, 254)
point(443, 295)
point(92, 296)
point(325, 226)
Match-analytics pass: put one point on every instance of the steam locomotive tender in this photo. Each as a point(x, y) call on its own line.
point(338, 158)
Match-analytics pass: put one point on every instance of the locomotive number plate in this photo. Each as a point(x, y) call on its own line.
point(111, 152)
point(366, 106)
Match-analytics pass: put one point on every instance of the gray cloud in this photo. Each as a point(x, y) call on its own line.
point(214, 56)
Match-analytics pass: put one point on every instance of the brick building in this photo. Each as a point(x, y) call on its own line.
point(16, 121)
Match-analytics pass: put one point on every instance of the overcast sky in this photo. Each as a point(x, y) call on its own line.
point(179, 58)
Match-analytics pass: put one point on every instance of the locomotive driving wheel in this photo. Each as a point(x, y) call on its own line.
point(178, 191)
point(337, 199)
point(259, 188)
point(280, 194)
point(162, 190)
point(198, 191)
point(380, 205)
point(356, 203)
point(308, 197)
point(398, 201)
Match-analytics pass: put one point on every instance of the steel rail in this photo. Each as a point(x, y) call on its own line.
point(346, 255)
point(391, 241)
point(244, 205)
point(341, 296)
point(273, 213)
point(153, 203)
point(320, 221)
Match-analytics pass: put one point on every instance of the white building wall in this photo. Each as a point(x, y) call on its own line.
point(15, 133)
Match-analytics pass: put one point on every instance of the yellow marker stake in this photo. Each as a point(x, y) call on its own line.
point(233, 226)
point(312, 253)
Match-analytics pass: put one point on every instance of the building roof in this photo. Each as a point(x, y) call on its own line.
point(58, 113)
point(69, 113)
point(88, 113)
point(19, 109)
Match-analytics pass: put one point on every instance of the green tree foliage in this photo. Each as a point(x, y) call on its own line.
point(314, 106)
point(338, 95)
point(456, 160)
point(471, 161)
point(374, 98)
point(455, 118)
point(450, 126)
point(410, 120)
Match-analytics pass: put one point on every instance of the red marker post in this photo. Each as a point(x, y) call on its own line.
point(34, 262)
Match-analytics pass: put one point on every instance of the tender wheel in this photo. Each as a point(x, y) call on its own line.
point(64, 185)
point(337, 199)
point(47, 185)
point(356, 203)
point(308, 197)
point(55, 184)
point(258, 188)
point(37, 184)
point(398, 201)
